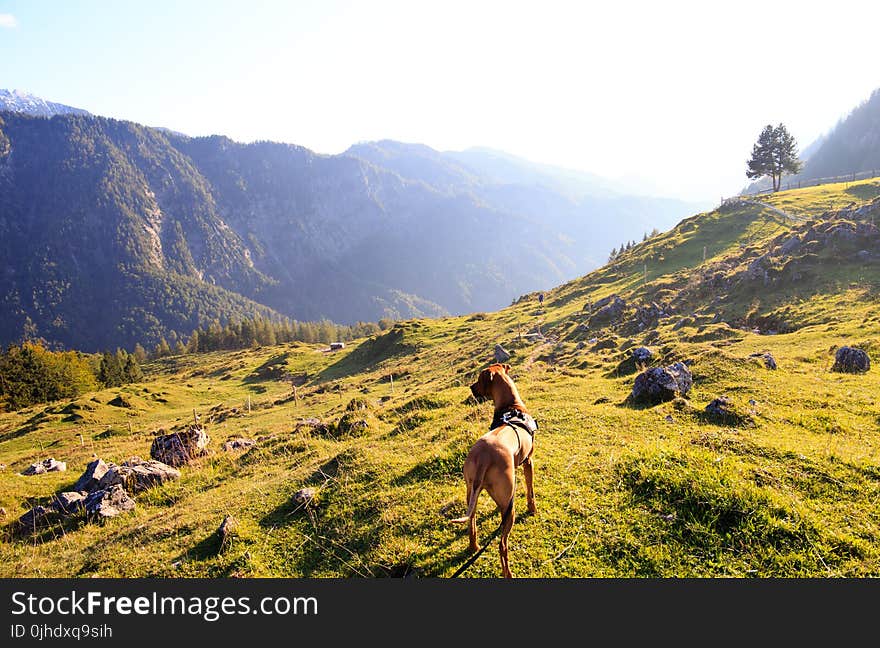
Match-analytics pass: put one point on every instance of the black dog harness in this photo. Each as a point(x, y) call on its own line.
point(517, 420)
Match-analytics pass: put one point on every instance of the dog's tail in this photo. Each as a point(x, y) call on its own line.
point(474, 493)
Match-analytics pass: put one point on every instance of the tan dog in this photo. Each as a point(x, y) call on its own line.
point(492, 461)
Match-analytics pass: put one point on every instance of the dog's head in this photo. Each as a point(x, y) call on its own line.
point(482, 389)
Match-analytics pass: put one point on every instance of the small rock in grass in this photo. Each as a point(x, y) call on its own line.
point(304, 496)
point(238, 444)
point(45, 466)
point(851, 360)
point(500, 354)
point(660, 384)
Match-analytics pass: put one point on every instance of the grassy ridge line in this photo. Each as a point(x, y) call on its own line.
point(621, 492)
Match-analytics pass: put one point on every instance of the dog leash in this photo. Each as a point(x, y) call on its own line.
point(470, 561)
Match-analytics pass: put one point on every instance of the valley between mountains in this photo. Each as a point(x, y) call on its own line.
point(756, 469)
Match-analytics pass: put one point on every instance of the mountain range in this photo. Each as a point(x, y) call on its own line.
point(114, 233)
point(24, 102)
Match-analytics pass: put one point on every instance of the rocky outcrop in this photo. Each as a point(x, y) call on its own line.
point(648, 316)
point(606, 311)
point(851, 360)
point(179, 448)
point(500, 354)
point(103, 490)
point(660, 384)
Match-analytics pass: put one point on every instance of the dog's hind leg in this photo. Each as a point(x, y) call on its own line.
point(507, 525)
point(473, 547)
point(503, 497)
point(528, 473)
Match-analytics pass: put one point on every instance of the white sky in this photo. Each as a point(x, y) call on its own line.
point(674, 93)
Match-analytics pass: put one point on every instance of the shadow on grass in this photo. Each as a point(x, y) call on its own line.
point(274, 369)
point(369, 354)
point(31, 425)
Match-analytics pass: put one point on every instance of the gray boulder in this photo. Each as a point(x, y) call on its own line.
point(851, 360)
point(642, 354)
point(179, 448)
point(501, 354)
point(69, 502)
point(89, 480)
point(108, 502)
point(660, 384)
point(136, 475)
point(45, 466)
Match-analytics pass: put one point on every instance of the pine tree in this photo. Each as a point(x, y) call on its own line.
point(192, 345)
point(162, 349)
point(132, 370)
point(140, 354)
point(774, 154)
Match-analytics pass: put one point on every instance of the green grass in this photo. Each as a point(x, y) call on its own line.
point(791, 490)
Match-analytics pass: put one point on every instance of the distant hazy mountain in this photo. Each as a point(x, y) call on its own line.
point(852, 146)
point(23, 102)
point(113, 233)
point(581, 208)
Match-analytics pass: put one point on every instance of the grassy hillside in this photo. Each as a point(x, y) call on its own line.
point(788, 486)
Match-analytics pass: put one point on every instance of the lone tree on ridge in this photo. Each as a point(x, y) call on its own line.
point(773, 154)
